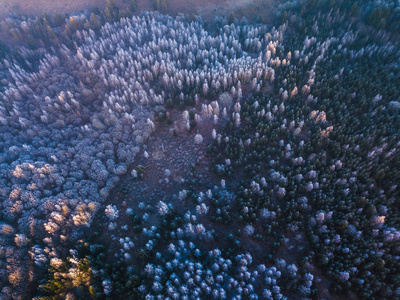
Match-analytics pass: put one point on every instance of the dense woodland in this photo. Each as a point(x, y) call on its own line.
point(299, 120)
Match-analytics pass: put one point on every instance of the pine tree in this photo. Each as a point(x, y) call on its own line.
point(111, 4)
point(68, 31)
point(284, 17)
point(164, 5)
point(156, 4)
point(133, 6)
point(74, 23)
point(108, 14)
point(58, 20)
point(231, 18)
point(354, 10)
point(95, 22)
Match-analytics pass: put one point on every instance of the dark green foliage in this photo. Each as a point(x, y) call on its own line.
point(95, 24)
point(133, 5)
point(231, 18)
point(4, 50)
point(58, 20)
point(378, 16)
point(59, 283)
point(160, 5)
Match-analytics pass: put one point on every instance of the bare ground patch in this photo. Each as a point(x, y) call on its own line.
point(176, 153)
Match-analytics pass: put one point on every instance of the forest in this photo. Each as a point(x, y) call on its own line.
point(150, 156)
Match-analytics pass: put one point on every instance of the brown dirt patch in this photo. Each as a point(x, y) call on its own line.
point(177, 153)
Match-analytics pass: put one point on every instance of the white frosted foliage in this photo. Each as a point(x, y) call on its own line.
point(198, 139)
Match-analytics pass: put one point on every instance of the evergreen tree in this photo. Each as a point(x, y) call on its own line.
point(95, 22)
point(58, 20)
point(108, 14)
point(133, 5)
point(231, 18)
point(74, 23)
